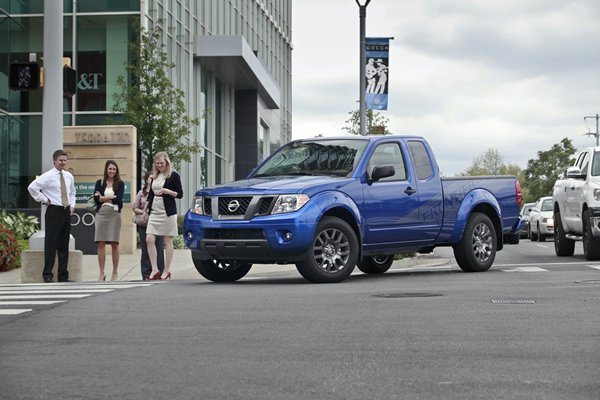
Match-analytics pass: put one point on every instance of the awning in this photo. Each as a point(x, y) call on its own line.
point(232, 60)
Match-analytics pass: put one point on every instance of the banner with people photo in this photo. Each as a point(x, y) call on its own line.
point(377, 72)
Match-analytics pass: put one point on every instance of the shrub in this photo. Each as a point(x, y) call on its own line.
point(180, 219)
point(10, 253)
point(23, 226)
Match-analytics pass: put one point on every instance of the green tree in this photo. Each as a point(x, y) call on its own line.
point(543, 171)
point(372, 119)
point(491, 162)
point(154, 105)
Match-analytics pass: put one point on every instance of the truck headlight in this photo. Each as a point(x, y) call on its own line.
point(289, 202)
point(597, 194)
point(197, 205)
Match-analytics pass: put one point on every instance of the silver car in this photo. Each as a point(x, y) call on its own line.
point(541, 223)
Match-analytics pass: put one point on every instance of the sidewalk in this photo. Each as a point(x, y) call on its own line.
point(182, 267)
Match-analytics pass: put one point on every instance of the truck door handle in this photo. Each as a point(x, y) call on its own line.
point(410, 191)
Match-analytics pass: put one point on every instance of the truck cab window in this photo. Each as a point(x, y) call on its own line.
point(421, 159)
point(388, 154)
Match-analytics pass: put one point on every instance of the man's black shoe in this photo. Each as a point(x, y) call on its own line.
point(48, 280)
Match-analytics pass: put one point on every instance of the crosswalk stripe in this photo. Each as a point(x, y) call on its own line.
point(49, 286)
point(14, 311)
point(2, 291)
point(32, 302)
point(44, 296)
point(526, 269)
point(594, 266)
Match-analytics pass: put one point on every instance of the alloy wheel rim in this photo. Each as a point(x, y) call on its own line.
point(482, 242)
point(331, 250)
point(380, 260)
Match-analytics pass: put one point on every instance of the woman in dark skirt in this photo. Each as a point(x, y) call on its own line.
point(108, 196)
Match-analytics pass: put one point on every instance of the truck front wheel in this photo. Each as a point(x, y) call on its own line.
point(333, 253)
point(476, 250)
point(591, 246)
point(376, 264)
point(221, 271)
point(563, 246)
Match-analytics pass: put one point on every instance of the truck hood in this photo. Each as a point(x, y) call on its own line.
point(277, 185)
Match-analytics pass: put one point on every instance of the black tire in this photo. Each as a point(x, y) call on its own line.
point(333, 253)
point(540, 237)
point(563, 247)
point(476, 250)
point(222, 271)
point(532, 236)
point(513, 239)
point(375, 264)
point(591, 246)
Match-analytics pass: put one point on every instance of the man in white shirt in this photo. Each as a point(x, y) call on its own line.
point(56, 189)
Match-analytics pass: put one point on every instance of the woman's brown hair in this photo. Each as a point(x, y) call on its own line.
point(117, 178)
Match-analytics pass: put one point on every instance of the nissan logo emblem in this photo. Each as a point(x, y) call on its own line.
point(233, 205)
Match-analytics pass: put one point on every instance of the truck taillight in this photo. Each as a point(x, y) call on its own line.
point(519, 195)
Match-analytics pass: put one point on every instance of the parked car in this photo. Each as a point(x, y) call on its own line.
point(331, 204)
point(541, 223)
point(525, 217)
point(577, 206)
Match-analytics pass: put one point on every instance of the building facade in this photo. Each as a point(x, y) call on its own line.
point(233, 63)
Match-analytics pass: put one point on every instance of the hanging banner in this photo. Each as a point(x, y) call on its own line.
point(376, 73)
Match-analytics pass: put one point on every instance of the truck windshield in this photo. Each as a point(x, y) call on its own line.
point(547, 205)
point(314, 157)
point(596, 164)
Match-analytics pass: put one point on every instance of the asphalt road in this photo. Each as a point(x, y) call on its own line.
point(436, 334)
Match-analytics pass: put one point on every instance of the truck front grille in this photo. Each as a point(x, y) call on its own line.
point(233, 205)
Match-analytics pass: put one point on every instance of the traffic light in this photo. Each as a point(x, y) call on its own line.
point(24, 76)
point(69, 81)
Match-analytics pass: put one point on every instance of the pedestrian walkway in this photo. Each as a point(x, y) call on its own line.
point(23, 298)
point(183, 267)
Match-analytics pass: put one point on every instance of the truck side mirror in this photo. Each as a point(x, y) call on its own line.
point(382, 171)
point(575, 173)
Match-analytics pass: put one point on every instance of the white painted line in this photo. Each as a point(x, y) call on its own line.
point(44, 296)
point(32, 302)
point(4, 291)
point(542, 245)
point(49, 286)
point(526, 269)
point(594, 266)
point(15, 311)
point(542, 263)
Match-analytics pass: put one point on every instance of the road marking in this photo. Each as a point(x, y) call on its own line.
point(14, 311)
point(44, 296)
point(32, 302)
point(526, 269)
point(3, 291)
point(542, 263)
point(594, 266)
point(542, 245)
point(50, 286)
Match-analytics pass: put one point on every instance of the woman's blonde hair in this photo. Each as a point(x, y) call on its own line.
point(168, 170)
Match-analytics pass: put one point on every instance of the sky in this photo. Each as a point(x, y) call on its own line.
point(514, 75)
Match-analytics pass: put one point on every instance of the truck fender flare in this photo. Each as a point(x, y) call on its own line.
point(330, 200)
point(472, 200)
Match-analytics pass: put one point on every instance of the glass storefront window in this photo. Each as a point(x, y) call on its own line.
point(20, 158)
point(219, 117)
point(4, 53)
point(107, 5)
point(102, 51)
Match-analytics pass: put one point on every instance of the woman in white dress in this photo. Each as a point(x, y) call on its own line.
point(162, 210)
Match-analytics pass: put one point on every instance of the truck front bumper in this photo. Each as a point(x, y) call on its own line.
point(282, 238)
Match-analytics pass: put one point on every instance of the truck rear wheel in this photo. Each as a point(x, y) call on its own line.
point(476, 250)
point(375, 264)
point(591, 246)
point(221, 271)
point(333, 253)
point(563, 247)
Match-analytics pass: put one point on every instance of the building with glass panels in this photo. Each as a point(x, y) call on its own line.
point(233, 62)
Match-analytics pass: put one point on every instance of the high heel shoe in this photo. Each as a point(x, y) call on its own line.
point(168, 276)
point(114, 277)
point(154, 277)
point(102, 278)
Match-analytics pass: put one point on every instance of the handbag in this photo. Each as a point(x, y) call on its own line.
point(90, 204)
point(140, 219)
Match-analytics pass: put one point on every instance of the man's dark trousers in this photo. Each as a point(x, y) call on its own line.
point(58, 230)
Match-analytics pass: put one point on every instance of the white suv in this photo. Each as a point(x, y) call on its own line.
point(577, 206)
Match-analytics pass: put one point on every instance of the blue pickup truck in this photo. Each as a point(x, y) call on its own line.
point(330, 204)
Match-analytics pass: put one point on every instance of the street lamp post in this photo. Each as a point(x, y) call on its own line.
point(363, 61)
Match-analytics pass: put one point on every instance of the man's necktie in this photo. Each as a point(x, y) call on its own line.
point(63, 191)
